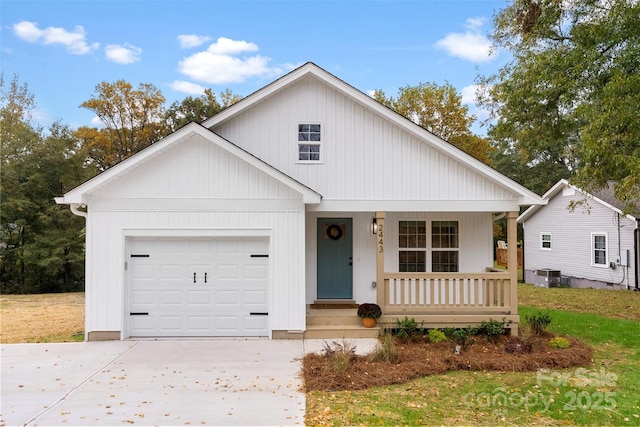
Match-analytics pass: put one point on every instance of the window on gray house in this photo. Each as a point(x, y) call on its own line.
point(309, 138)
point(599, 249)
point(545, 240)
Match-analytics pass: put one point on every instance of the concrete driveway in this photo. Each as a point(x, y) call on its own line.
point(163, 382)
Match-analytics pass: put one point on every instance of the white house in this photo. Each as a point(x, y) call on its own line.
point(594, 245)
point(307, 190)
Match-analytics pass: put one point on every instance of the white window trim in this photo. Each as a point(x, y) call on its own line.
point(429, 249)
point(318, 143)
point(593, 249)
point(544, 233)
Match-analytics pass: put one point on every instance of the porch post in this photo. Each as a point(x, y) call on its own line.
point(379, 216)
point(512, 262)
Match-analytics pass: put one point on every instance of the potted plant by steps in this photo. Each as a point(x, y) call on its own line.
point(369, 312)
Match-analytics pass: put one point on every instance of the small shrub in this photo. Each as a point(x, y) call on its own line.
point(538, 322)
point(339, 354)
point(559, 342)
point(436, 336)
point(493, 328)
point(464, 336)
point(448, 331)
point(385, 351)
point(408, 328)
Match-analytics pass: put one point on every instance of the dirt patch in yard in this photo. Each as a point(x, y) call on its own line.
point(418, 358)
point(42, 318)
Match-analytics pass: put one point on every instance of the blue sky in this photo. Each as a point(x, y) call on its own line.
point(63, 48)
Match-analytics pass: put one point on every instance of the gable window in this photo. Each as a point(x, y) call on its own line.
point(412, 242)
point(309, 138)
point(599, 249)
point(444, 245)
point(545, 240)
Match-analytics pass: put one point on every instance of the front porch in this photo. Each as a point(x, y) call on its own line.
point(433, 299)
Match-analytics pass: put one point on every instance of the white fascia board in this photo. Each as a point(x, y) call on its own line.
point(415, 206)
point(79, 194)
point(525, 196)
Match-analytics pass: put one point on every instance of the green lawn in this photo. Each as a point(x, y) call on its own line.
point(606, 393)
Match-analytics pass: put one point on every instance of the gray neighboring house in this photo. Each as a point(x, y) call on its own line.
point(593, 246)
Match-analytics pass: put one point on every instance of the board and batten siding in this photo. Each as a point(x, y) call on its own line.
point(475, 245)
point(198, 190)
point(364, 156)
point(571, 240)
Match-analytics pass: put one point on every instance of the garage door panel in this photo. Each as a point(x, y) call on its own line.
point(143, 272)
point(199, 323)
point(171, 272)
point(255, 323)
point(142, 297)
point(144, 324)
point(169, 247)
point(227, 272)
point(171, 324)
point(258, 272)
point(199, 298)
point(171, 298)
point(162, 284)
point(257, 297)
point(227, 298)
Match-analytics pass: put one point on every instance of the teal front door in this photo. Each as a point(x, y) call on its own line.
point(335, 258)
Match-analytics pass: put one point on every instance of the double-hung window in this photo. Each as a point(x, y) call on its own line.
point(413, 246)
point(545, 240)
point(444, 246)
point(412, 256)
point(309, 139)
point(599, 249)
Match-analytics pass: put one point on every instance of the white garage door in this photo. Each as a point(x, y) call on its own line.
point(198, 287)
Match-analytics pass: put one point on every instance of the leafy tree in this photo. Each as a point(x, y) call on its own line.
point(568, 98)
point(16, 104)
point(133, 120)
point(40, 248)
point(198, 109)
point(439, 110)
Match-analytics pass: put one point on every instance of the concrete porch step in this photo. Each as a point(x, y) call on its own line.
point(340, 331)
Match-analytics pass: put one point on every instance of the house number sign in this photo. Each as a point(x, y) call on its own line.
point(380, 238)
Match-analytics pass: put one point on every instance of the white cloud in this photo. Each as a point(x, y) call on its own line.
point(73, 40)
point(470, 45)
point(123, 54)
point(192, 40)
point(222, 63)
point(469, 94)
point(97, 122)
point(187, 87)
point(475, 24)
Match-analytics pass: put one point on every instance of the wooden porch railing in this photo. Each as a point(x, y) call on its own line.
point(451, 293)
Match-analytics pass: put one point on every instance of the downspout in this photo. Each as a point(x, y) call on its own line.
point(636, 243)
point(524, 254)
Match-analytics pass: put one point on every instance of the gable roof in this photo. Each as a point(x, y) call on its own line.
point(525, 196)
point(605, 197)
point(78, 194)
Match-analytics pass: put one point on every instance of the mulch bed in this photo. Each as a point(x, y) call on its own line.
point(417, 358)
